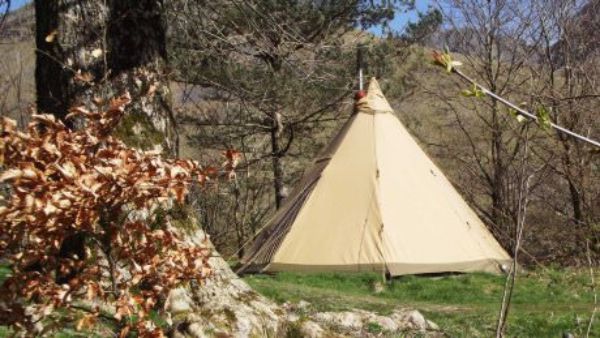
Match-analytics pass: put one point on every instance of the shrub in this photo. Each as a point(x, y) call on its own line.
point(79, 228)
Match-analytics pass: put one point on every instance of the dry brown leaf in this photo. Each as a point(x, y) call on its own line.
point(79, 178)
point(11, 174)
point(85, 77)
point(52, 36)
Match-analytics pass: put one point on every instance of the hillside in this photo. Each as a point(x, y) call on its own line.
point(19, 25)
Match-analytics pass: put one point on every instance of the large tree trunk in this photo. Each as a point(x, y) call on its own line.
point(66, 34)
point(90, 50)
point(137, 57)
point(52, 78)
point(100, 49)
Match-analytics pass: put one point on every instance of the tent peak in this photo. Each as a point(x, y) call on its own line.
point(374, 86)
point(376, 101)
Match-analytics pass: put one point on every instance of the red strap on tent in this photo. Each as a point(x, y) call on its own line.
point(359, 95)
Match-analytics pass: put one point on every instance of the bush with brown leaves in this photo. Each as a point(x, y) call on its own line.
point(85, 186)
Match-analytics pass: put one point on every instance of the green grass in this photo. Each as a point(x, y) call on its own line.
point(545, 304)
point(4, 273)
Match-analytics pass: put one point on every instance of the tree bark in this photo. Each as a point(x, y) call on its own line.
point(51, 77)
point(576, 203)
point(101, 49)
point(277, 166)
point(499, 204)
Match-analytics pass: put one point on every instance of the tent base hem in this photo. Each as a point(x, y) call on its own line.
point(394, 269)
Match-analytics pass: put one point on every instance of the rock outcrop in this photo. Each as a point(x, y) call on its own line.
point(225, 306)
point(302, 322)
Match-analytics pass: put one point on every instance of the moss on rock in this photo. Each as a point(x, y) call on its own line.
point(136, 130)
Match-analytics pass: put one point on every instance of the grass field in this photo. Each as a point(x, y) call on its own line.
point(545, 304)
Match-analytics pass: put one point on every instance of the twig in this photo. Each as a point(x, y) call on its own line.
point(102, 311)
point(589, 257)
point(512, 275)
point(524, 112)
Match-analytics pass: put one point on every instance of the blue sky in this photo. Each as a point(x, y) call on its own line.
point(402, 19)
point(18, 3)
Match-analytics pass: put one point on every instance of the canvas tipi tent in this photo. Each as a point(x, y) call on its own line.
point(374, 201)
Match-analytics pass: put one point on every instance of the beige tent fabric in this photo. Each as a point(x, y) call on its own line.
point(426, 223)
point(345, 196)
point(269, 240)
point(374, 201)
